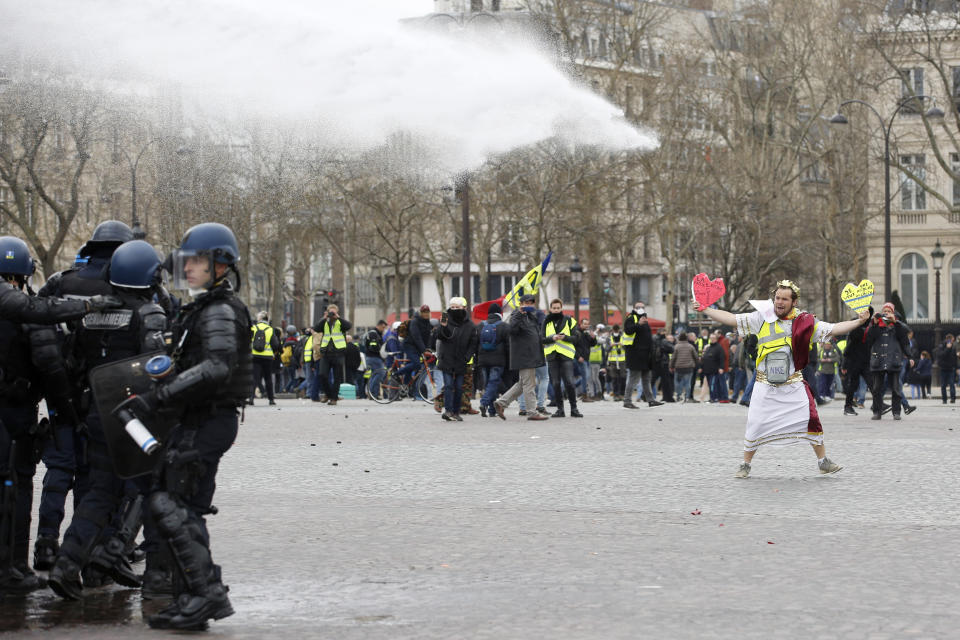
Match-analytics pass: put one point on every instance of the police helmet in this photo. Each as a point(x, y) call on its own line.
point(212, 240)
point(134, 264)
point(15, 257)
point(109, 234)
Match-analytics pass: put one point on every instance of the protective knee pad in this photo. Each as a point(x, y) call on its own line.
point(168, 514)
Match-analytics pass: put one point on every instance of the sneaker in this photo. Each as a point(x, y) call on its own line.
point(522, 413)
point(543, 411)
point(483, 411)
point(457, 417)
point(887, 408)
point(575, 414)
point(875, 416)
point(910, 409)
point(559, 413)
point(499, 409)
point(654, 403)
point(332, 402)
point(897, 416)
point(828, 466)
point(446, 416)
point(743, 471)
point(630, 405)
point(691, 401)
point(272, 403)
point(848, 411)
point(538, 416)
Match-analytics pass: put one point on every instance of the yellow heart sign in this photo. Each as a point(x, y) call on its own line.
point(858, 296)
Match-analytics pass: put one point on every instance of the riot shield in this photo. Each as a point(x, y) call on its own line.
point(113, 383)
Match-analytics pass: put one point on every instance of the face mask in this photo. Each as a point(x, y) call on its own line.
point(458, 314)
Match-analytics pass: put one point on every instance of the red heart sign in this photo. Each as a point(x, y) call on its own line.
point(707, 291)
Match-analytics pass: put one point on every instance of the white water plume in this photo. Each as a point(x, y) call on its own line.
point(343, 71)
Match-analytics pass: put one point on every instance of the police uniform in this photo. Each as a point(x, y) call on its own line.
point(213, 375)
point(137, 327)
point(64, 456)
point(30, 367)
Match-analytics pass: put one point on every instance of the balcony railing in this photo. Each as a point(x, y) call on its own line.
point(911, 218)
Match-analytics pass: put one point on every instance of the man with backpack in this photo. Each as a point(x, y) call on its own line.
point(492, 356)
point(264, 344)
point(373, 345)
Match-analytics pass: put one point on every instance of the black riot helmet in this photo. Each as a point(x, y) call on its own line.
point(15, 257)
point(210, 243)
point(108, 235)
point(135, 265)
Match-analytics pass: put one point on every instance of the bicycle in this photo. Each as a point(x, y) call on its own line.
point(392, 387)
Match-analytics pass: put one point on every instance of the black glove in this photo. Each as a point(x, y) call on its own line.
point(99, 303)
point(141, 405)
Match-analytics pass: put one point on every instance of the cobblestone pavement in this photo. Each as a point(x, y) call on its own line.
point(368, 522)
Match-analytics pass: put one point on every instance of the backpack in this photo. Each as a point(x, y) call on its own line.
point(488, 336)
point(260, 339)
point(286, 356)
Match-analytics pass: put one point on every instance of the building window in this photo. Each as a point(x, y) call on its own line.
point(413, 292)
point(955, 167)
point(955, 88)
point(913, 286)
point(366, 293)
point(639, 290)
point(955, 286)
point(912, 195)
point(457, 290)
point(911, 84)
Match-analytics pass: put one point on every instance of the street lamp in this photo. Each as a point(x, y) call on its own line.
point(933, 113)
point(463, 195)
point(576, 277)
point(937, 255)
point(138, 232)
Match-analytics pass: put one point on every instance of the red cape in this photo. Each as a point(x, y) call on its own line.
point(801, 333)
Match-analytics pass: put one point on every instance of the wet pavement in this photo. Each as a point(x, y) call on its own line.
point(367, 522)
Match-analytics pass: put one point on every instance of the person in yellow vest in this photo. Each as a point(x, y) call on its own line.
point(331, 332)
point(638, 342)
point(264, 344)
point(782, 409)
point(560, 335)
point(594, 389)
point(616, 365)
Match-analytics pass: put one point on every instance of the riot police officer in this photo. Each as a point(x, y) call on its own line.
point(212, 380)
point(65, 456)
point(137, 327)
point(30, 367)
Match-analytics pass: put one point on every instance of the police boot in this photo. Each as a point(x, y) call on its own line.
point(45, 551)
point(162, 618)
point(64, 578)
point(93, 577)
point(157, 584)
point(195, 610)
point(20, 580)
point(109, 559)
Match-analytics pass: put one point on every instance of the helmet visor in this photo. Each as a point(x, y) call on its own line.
point(191, 271)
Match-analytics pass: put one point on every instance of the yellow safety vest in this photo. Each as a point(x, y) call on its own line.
point(627, 339)
point(596, 354)
point(616, 352)
point(268, 332)
point(308, 349)
point(564, 348)
point(701, 345)
point(336, 334)
point(770, 338)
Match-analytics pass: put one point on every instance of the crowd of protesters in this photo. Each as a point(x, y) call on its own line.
point(546, 360)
